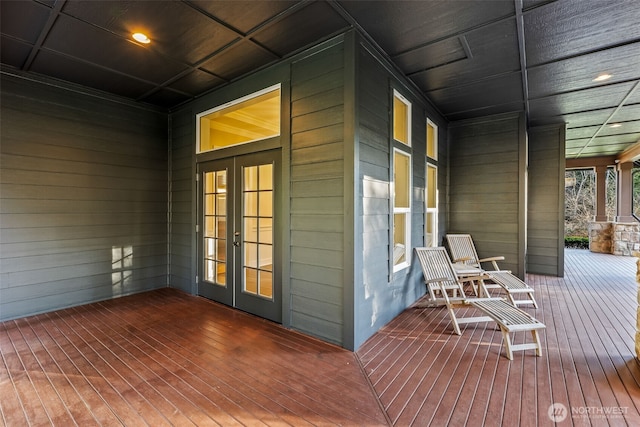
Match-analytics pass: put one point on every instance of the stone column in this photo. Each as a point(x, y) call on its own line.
point(625, 186)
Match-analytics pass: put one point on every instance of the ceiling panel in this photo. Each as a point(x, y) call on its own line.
point(563, 29)
point(432, 55)
point(399, 26)
point(23, 20)
point(490, 56)
point(236, 60)
point(244, 16)
point(578, 72)
point(505, 89)
point(176, 29)
point(65, 68)
point(196, 82)
point(78, 39)
point(165, 98)
point(626, 114)
point(583, 100)
point(14, 52)
point(584, 118)
point(309, 24)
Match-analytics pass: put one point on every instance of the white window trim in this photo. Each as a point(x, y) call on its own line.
point(435, 142)
point(405, 101)
point(433, 210)
point(277, 86)
point(406, 211)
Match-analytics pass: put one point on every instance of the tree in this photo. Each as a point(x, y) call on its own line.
point(579, 199)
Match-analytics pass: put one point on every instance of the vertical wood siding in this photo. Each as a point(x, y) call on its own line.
point(317, 194)
point(485, 179)
point(545, 242)
point(83, 198)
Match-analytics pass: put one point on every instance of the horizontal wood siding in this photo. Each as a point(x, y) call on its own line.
point(83, 189)
point(485, 178)
point(378, 299)
point(545, 242)
point(317, 194)
point(181, 255)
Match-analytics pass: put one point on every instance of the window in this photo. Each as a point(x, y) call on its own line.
point(431, 202)
point(431, 191)
point(432, 140)
point(401, 119)
point(252, 118)
point(401, 210)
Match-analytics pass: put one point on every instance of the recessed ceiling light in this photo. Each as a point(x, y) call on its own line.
point(615, 125)
point(141, 37)
point(602, 77)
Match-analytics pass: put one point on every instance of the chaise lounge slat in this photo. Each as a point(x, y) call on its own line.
point(440, 278)
point(463, 251)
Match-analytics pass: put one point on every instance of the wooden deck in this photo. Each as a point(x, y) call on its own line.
point(167, 358)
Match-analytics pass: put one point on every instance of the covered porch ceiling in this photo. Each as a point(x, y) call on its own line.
point(470, 58)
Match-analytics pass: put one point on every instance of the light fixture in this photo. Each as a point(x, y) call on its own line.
point(615, 125)
point(141, 37)
point(602, 77)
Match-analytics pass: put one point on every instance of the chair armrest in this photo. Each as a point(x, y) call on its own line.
point(493, 260)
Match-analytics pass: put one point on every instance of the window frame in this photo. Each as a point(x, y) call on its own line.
point(435, 140)
point(406, 211)
point(236, 101)
point(431, 210)
point(407, 103)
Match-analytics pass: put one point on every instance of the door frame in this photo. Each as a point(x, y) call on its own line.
point(232, 294)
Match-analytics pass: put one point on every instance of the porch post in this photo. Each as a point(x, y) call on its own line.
point(601, 194)
point(625, 187)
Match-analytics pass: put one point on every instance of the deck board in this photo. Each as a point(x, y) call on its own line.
point(168, 358)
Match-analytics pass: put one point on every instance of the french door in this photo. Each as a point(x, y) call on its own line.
point(237, 240)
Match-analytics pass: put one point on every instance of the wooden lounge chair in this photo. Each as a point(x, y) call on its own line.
point(440, 278)
point(463, 251)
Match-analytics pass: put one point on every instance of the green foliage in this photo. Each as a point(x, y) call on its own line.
point(576, 242)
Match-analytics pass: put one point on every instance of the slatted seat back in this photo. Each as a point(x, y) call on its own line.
point(462, 248)
point(436, 264)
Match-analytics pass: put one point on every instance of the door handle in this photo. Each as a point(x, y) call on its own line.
point(236, 241)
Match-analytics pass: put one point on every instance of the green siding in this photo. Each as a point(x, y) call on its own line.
point(182, 181)
point(545, 246)
point(317, 194)
point(80, 176)
point(485, 188)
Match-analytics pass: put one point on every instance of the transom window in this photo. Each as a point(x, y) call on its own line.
point(251, 118)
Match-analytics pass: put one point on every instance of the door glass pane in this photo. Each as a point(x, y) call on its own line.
point(266, 230)
point(250, 255)
point(266, 284)
point(265, 176)
point(257, 233)
point(251, 203)
point(215, 221)
point(251, 178)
